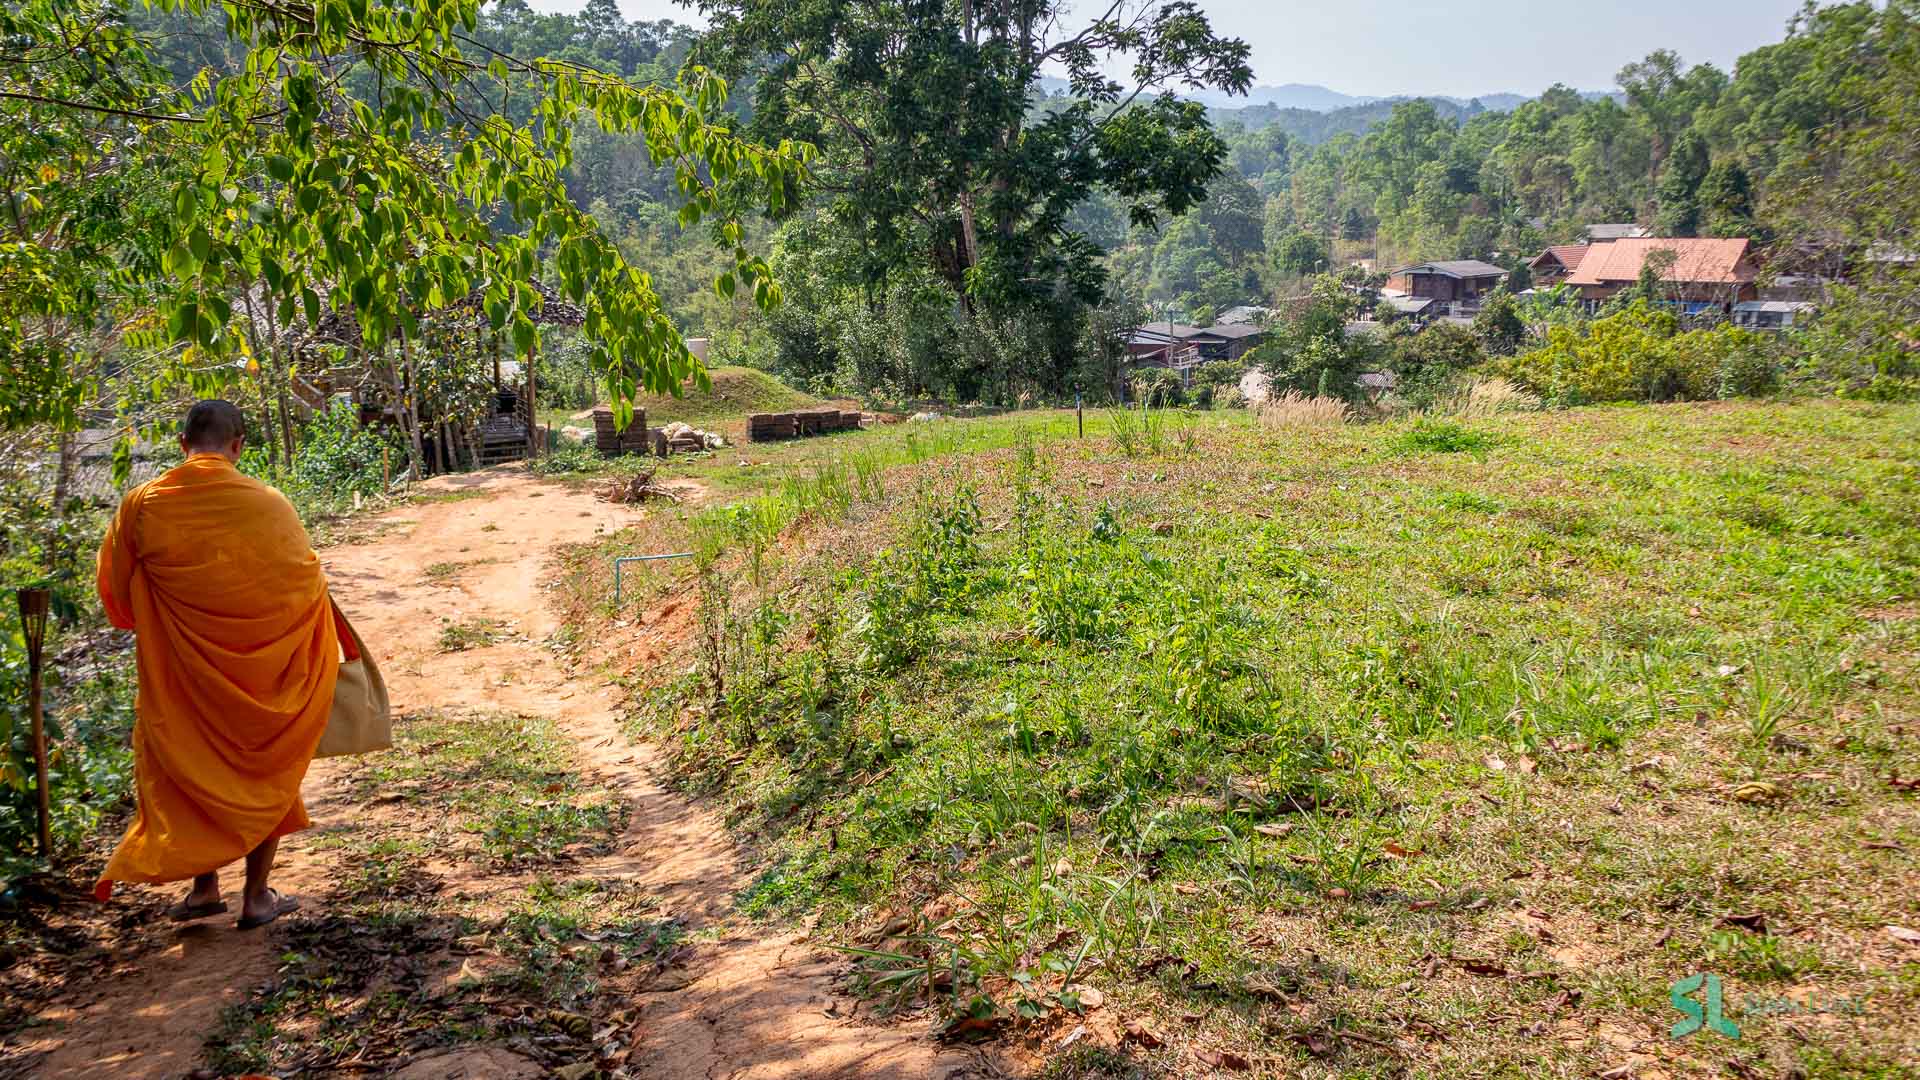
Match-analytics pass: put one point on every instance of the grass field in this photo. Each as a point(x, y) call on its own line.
point(1436, 748)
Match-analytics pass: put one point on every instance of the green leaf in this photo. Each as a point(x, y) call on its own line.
point(524, 335)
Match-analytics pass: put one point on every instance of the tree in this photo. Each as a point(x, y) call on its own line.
point(1427, 361)
point(1726, 201)
point(931, 153)
point(1680, 210)
point(1850, 200)
point(297, 195)
point(1300, 255)
point(1234, 214)
point(1498, 326)
point(1666, 98)
point(1311, 351)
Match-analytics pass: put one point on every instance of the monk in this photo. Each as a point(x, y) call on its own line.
point(237, 654)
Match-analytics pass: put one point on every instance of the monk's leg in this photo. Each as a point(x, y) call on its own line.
point(258, 901)
point(206, 889)
point(201, 901)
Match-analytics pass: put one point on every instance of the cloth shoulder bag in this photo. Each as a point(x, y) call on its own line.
point(361, 721)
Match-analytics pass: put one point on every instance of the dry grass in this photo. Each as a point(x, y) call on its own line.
point(1294, 409)
point(1491, 397)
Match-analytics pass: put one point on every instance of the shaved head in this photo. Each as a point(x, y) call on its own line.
point(212, 426)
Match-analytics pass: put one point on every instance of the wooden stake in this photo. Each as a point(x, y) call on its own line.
point(34, 605)
point(410, 409)
point(533, 414)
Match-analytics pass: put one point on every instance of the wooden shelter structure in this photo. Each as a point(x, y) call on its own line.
point(390, 392)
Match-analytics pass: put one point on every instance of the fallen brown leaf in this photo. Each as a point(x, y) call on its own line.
point(1481, 967)
point(970, 1028)
point(1903, 935)
point(1313, 1043)
point(1142, 1036)
point(1399, 852)
point(1223, 1059)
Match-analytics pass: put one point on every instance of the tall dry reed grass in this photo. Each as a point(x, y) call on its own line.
point(1295, 409)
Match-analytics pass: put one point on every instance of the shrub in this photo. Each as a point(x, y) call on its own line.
point(1429, 361)
point(1443, 437)
point(1229, 397)
point(338, 458)
point(1629, 355)
point(1159, 386)
point(1733, 361)
point(568, 457)
point(338, 454)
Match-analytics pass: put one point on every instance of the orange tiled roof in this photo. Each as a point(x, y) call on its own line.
point(1569, 255)
point(1715, 262)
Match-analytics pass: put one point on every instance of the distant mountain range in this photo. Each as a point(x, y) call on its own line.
point(1323, 100)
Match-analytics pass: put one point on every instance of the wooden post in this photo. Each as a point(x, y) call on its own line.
point(34, 605)
point(1080, 414)
point(533, 412)
point(410, 408)
point(286, 416)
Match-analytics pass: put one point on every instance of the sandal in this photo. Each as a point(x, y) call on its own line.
point(183, 912)
point(281, 906)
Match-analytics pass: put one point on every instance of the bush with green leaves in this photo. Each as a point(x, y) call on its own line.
point(1312, 352)
point(1639, 353)
point(337, 459)
point(1429, 361)
point(1159, 386)
point(930, 573)
point(90, 765)
point(568, 458)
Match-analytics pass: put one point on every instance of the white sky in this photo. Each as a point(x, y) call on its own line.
point(1457, 47)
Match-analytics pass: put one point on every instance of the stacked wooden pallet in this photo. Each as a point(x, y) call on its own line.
point(608, 440)
point(765, 427)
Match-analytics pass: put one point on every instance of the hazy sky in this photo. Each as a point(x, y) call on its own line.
point(1455, 47)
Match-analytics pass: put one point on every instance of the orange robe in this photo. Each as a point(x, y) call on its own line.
point(237, 654)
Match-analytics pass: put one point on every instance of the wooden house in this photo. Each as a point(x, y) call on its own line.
point(1556, 264)
point(1182, 348)
point(1702, 273)
point(1459, 281)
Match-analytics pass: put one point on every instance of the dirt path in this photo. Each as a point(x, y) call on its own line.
point(744, 1006)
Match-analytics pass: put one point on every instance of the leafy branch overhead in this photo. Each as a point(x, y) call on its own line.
point(357, 160)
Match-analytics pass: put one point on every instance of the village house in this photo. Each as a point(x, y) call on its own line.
point(1607, 232)
point(1182, 348)
point(1703, 274)
point(1461, 284)
point(1771, 314)
point(1556, 264)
